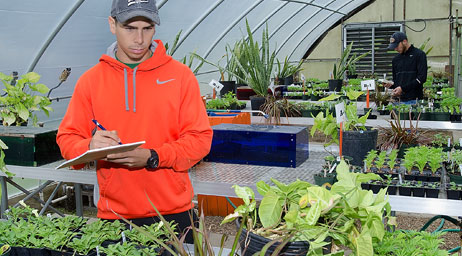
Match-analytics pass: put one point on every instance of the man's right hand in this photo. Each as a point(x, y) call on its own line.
point(103, 139)
point(388, 85)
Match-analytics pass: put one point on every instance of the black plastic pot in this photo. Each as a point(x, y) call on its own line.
point(228, 86)
point(256, 243)
point(256, 102)
point(288, 80)
point(320, 180)
point(455, 118)
point(453, 194)
point(23, 251)
point(365, 186)
point(419, 192)
point(383, 112)
point(405, 191)
point(335, 85)
point(357, 144)
point(392, 189)
point(432, 192)
point(375, 187)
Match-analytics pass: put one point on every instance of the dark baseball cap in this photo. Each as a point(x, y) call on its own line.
point(124, 10)
point(395, 39)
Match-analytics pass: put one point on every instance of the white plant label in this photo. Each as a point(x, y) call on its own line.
point(340, 112)
point(302, 77)
point(272, 87)
point(368, 85)
point(400, 179)
point(460, 142)
point(124, 239)
point(216, 85)
point(333, 167)
point(449, 142)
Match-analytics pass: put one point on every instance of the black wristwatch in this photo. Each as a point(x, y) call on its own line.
point(153, 160)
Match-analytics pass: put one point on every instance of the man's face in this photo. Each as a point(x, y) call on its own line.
point(133, 39)
point(401, 47)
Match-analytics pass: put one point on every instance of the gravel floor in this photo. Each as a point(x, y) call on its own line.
point(405, 221)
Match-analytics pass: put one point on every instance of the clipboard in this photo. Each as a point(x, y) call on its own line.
point(99, 153)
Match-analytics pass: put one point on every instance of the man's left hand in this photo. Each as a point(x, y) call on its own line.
point(134, 158)
point(397, 91)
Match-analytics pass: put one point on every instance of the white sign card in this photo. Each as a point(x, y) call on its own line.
point(216, 85)
point(368, 85)
point(340, 112)
point(302, 77)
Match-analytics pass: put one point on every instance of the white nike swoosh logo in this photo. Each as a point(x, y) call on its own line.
point(166, 81)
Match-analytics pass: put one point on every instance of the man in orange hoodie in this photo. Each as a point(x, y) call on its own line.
point(139, 93)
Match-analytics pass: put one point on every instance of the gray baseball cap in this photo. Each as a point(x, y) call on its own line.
point(124, 10)
point(395, 39)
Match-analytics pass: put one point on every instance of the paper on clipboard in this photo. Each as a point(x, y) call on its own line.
point(99, 153)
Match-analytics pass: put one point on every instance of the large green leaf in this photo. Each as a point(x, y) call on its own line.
point(245, 193)
point(32, 77)
point(262, 187)
point(41, 88)
point(363, 244)
point(270, 209)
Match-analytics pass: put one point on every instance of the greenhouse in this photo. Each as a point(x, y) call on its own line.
point(225, 127)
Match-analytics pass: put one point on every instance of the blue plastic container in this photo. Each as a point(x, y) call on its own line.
point(269, 145)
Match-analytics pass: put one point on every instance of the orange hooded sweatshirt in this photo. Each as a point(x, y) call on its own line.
point(159, 102)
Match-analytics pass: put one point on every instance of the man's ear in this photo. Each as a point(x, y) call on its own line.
point(112, 24)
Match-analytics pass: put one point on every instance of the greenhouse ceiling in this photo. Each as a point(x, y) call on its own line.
point(49, 35)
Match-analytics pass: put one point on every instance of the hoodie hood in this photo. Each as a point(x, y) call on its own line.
point(159, 57)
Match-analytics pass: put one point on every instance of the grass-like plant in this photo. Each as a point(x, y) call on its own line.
point(392, 156)
point(370, 157)
point(380, 161)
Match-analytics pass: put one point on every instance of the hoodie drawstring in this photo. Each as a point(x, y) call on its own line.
point(126, 89)
point(134, 89)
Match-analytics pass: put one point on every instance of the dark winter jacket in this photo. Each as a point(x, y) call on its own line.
point(410, 72)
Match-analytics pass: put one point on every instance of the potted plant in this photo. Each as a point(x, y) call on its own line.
point(23, 99)
point(335, 84)
point(432, 189)
point(286, 72)
point(453, 190)
point(301, 212)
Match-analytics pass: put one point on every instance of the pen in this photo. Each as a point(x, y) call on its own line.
point(102, 127)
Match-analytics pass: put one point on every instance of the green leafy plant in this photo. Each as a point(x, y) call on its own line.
point(435, 158)
point(287, 69)
point(345, 62)
point(370, 157)
point(21, 101)
point(405, 243)
point(392, 156)
point(253, 62)
point(440, 140)
point(312, 213)
point(381, 160)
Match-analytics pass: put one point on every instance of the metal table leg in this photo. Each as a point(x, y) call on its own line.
point(78, 199)
point(35, 197)
point(4, 203)
point(45, 206)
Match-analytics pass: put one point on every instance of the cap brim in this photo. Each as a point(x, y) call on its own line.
point(392, 46)
point(125, 16)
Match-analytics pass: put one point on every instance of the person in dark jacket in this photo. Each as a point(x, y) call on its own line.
point(409, 70)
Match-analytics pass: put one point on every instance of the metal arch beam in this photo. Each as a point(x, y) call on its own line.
point(303, 23)
point(53, 35)
point(231, 27)
point(197, 23)
point(161, 3)
point(267, 18)
point(315, 5)
point(283, 23)
point(300, 42)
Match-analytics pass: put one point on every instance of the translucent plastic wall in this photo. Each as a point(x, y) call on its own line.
point(47, 36)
